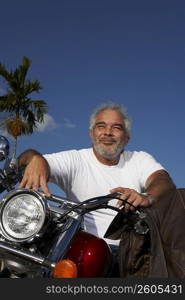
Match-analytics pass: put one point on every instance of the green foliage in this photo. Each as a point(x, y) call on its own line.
point(17, 103)
point(23, 113)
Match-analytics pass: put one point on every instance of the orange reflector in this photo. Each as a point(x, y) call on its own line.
point(65, 268)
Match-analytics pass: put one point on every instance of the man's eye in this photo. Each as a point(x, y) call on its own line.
point(118, 127)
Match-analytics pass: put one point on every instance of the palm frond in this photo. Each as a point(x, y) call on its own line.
point(3, 103)
point(4, 73)
point(31, 86)
point(8, 102)
point(24, 114)
point(22, 71)
point(38, 104)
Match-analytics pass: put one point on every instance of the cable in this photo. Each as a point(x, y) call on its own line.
point(83, 213)
point(95, 198)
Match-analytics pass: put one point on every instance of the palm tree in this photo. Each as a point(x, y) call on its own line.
point(23, 113)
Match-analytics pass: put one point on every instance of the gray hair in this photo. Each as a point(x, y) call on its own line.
point(112, 106)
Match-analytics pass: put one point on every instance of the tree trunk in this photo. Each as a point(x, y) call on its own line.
point(15, 147)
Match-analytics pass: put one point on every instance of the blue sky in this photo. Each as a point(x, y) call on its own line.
point(87, 52)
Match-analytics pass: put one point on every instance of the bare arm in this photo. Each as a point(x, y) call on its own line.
point(36, 172)
point(26, 156)
point(158, 185)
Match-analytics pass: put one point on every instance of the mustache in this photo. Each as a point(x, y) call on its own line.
point(107, 140)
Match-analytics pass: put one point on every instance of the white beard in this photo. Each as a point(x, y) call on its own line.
point(109, 154)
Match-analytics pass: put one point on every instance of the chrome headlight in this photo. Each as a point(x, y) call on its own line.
point(23, 215)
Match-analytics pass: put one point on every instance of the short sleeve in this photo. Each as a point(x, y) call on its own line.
point(63, 166)
point(146, 165)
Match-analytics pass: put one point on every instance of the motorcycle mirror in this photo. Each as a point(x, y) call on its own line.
point(4, 148)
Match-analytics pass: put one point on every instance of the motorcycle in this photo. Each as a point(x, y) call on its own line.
point(43, 237)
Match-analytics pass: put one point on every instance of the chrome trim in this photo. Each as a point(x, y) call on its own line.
point(63, 240)
point(46, 210)
point(17, 251)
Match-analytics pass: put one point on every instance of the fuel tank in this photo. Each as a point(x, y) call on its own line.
point(91, 254)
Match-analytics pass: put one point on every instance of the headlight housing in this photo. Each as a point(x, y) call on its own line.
point(23, 215)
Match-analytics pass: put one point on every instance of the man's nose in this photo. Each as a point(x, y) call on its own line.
point(108, 130)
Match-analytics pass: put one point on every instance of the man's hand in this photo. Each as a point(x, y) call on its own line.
point(132, 197)
point(158, 185)
point(36, 175)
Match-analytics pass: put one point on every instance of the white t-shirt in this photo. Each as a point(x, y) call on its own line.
point(81, 176)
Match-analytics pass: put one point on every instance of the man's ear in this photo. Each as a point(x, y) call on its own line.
point(127, 139)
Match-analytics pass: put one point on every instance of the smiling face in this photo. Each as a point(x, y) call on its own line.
point(109, 136)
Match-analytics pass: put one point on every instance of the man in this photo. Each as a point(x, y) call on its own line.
point(105, 168)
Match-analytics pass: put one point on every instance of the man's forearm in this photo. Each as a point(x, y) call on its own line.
point(160, 186)
point(25, 157)
point(36, 173)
